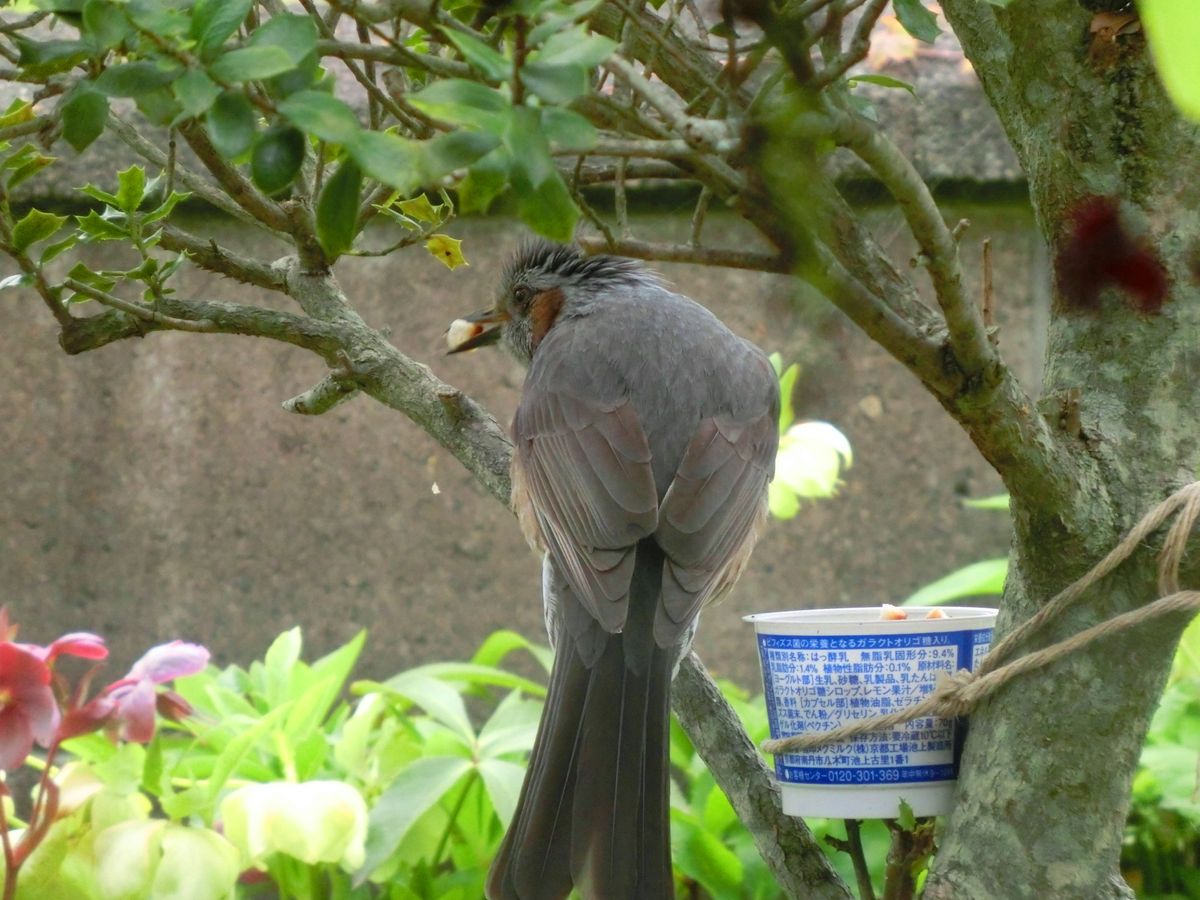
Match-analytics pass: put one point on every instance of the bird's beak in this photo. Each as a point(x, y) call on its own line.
point(476, 330)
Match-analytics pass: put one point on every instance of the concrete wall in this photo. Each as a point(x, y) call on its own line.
point(155, 489)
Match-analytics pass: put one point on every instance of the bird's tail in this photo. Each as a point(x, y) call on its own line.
point(593, 812)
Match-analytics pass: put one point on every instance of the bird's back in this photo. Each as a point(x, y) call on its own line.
point(675, 361)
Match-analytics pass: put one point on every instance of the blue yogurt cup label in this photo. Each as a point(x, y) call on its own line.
point(817, 683)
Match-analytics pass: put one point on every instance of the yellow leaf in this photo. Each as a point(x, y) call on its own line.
point(421, 209)
point(447, 250)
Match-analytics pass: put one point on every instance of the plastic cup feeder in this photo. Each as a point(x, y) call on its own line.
point(825, 668)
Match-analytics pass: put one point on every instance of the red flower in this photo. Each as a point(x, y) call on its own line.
point(28, 711)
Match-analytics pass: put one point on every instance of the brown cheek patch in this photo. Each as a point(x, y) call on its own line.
point(543, 311)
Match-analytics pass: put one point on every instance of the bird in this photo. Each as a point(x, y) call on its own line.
point(643, 444)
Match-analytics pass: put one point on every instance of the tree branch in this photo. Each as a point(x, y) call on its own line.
point(686, 253)
point(244, 194)
point(333, 390)
point(93, 332)
point(968, 337)
point(784, 842)
point(208, 254)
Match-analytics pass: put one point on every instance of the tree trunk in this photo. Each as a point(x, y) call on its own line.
point(1114, 178)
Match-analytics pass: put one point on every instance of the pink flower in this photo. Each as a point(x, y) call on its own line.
point(28, 711)
point(134, 697)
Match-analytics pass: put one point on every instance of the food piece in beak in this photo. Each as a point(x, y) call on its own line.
point(477, 330)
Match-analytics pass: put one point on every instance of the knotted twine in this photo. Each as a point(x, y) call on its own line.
point(959, 693)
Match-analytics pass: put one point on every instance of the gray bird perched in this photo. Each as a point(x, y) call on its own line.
point(643, 445)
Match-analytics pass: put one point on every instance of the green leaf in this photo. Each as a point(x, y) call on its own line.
point(165, 20)
point(165, 208)
point(229, 758)
point(251, 63)
point(28, 166)
point(214, 21)
point(58, 248)
point(982, 578)
point(462, 102)
point(84, 115)
point(104, 24)
point(456, 150)
point(295, 35)
point(337, 210)
point(159, 106)
point(280, 664)
point(230, 123)
point(568, 130)
point(276, 159)
point(997, 501)
point(707, 860)
point(35, 226)
point(499, 644)
point(511, 728)
point(575, 48)
point(1173, 32)
point(787, 386)
point(883, 81)
point(437, 698)
point(548, 208)
point(321, 115)
point(555, 83)
point(485, 180)
point(18, 111)
point(97, 228)
point(532, 165)
point(917, 20)
point(388, 158)
point(48, 57)
point(135, 79)
point(906, 819)
point(131, 188)
point(196, 92)
point(503, 780)
point(410, 796)
point(80, 272)
point(491, 63)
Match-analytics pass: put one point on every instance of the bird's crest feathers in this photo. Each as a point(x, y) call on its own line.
point(569, 263)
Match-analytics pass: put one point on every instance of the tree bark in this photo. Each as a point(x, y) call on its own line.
point(1044, 790)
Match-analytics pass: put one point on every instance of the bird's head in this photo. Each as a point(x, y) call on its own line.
point(543, 284)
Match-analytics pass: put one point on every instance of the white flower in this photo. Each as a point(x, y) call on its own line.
point(809, 464)
point(314, 821)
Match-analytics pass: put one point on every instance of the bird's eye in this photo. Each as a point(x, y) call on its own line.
point(522, 293)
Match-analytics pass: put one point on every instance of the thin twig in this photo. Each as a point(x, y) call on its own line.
point(862, 873)
point(989, 308)
point(138, 310)
point(860, 44)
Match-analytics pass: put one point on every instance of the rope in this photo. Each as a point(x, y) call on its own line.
point(959, 693)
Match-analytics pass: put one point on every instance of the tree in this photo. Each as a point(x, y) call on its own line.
point(542, 98)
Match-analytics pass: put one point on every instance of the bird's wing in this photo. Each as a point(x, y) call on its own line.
point(711, 514)
point(581, 473)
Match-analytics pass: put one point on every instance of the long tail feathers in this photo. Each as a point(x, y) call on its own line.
point(593, 812)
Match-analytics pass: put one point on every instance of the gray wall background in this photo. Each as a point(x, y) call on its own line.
point(155, 488)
